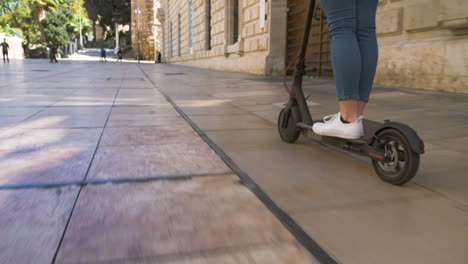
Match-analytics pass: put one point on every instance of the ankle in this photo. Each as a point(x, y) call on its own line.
point(348, 118)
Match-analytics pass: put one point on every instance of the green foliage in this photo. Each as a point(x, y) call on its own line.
point(10, 31)
point(112, 12)
point(55, 26)
point(109, 12)
point(18, 17)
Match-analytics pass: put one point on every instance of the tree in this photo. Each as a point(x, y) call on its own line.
point(92, 7)
point(55, 28)
point(18, 15)
point(108, 12)
point(112, 12)
point(62, 20)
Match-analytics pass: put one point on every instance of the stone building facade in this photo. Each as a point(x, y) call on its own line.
point(230, 35)
point(423, 43)
point(145, 22)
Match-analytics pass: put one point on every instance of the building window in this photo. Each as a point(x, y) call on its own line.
point(233, 21)
point(208, 24)
point(178, 35)
point(190, 29)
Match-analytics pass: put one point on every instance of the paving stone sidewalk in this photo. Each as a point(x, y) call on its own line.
point(338, 199)
point(130, 181)
point(97, 167)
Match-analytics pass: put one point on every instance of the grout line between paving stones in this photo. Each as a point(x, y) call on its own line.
point(84, 179)
point(296, 230)
point(115, 181)
point(31, 116)
point(43, 77)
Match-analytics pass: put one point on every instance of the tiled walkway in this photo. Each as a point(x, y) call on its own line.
point(338, 199)
point(97, 166)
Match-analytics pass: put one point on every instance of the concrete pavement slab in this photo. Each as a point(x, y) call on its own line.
point(157, 110)
point(163, 160)
point(19, 111)
point(167, 218)
point(423, 231)
point(76, 110)
point(10, 121)
point(23, 139)
point(139, 120)
point(69, 117)
point(137, 100)
point(230, 122)
point(32, 222)
point(279, 253)
point(44, 165)
point(215, 110)
point(135, 136)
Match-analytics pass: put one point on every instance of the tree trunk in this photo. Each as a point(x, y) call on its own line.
point(94, 31)
point(117, 39)
point(26, 47)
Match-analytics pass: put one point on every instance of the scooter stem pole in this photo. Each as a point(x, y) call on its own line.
point(308, 25)
point(300, 67)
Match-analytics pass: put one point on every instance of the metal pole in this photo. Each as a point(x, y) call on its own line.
point(117, 39)
point(300, 69)
point(320, 45)
point(81, 29)
point(138, 28)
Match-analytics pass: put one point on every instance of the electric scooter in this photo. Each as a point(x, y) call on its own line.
point(394, 147)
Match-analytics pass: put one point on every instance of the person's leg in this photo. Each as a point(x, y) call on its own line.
point(8, 59)
point(349, 110)
point(366, 12)
point(4, 57)
point(345, 52)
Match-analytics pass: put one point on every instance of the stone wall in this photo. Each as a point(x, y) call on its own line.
point(423, 44)
point(149, 28)
point(249, 54)
point(16, 49)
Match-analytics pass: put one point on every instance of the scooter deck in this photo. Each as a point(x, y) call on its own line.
point(369, 128)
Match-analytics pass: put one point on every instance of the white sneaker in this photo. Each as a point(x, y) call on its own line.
point(333, 127)
point(331, 117)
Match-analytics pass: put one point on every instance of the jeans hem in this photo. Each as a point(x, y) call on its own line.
point(341, 98)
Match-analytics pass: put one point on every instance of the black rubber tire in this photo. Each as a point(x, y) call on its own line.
point(290, 133)
point(407, 160)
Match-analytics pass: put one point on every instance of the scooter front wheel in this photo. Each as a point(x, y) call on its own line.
point(403, 163)
point(287, 120)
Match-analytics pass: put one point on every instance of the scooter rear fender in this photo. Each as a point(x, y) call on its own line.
point(416, 143)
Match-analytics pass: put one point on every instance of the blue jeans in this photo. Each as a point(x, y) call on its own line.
point(351, 24)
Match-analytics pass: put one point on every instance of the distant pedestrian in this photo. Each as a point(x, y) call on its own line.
point(5, 48)
point(53, 54)
point(103, 54)
point(119, 54)
point(158, 57)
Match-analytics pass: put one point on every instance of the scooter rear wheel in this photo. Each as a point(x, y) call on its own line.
point(404, 161)
point(287, 128)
